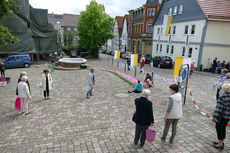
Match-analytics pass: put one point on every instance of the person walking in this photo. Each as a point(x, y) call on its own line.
point(142, 64)
point(192, 67)
point(174, 112)
point(128, 63)
point(91, 83)
point(2, 69)
point(222, 78)
point(46, 83)
point(143, 117)
point(221, 115)
point(227, 80)
point(24, 94)
point(214, 65)
point(19, 80)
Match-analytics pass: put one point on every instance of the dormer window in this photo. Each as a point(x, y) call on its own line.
point(170, 11)
point(175, 10)
point(180, 11)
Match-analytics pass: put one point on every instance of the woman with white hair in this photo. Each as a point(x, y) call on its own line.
point(143, 117)
point(221, 115)
point(24, 94)
point(19, 80)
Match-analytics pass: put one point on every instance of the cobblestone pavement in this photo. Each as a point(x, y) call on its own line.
point(68, 122)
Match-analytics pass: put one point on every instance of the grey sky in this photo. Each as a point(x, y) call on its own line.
point(113, 7)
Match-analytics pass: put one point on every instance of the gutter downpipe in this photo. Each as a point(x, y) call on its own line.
point(202, 42)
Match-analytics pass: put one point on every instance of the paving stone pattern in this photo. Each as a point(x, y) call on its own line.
point(68, 122)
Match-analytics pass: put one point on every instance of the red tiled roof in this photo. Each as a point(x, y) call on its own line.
point(119, 20)
point(216, 9)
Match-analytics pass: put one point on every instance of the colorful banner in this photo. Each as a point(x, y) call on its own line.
point(166, 24)
point(178, 64)
point(117, 55)
point(187, 40)
point(134, 60)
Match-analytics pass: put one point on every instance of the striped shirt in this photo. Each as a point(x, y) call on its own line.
point(222, 107)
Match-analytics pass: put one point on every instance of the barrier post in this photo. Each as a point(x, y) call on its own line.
point(112, 61)
point(117, 64)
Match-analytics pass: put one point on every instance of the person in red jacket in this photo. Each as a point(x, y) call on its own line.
point(142, 64)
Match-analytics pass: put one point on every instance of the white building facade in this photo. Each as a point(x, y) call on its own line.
point(193, 34)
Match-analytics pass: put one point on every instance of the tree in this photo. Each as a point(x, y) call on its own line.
point(94, 28)
point(5, 7)
point(68, 43)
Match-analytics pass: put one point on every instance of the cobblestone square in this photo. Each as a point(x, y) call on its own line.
point(68, 122)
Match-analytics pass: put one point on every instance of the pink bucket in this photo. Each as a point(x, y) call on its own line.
point(150, 135)
point(18, 104)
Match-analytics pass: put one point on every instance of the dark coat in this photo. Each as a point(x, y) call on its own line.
point(144, 112)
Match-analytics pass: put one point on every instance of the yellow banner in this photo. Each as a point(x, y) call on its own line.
point(168, 25)
point(118, 55)
point(178, 64)
point(136, 60)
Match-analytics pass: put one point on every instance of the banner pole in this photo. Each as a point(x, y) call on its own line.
point(135, 71)
point(112, 61)
point(117, 64)
point(125, 67)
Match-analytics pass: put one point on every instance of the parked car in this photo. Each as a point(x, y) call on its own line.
point(13, 61)
point(109, 52)
point(162, 62)
point(148, 58)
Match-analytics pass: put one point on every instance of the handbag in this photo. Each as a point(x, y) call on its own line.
point(18, 104)
point(150, 135)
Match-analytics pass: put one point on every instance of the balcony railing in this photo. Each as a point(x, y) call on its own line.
point(146, 35)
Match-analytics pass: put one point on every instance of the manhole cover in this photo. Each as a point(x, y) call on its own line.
point(122, 95)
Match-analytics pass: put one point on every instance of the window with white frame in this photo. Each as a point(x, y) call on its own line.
point(158, 30)
point(167, 50)
point(75, 29)
point(169, 30)
point(149, 12)
point(157, 47)
point(186, 30)
point(170, 11)
point(190, 52)
point(161, 31)
point(180, 11)
point(183, 51)
point(174, 30)
point(68, 29)
point(160, 48)
point(193, 29)
point(175, 10)
point(172, 49)
point(153, 11)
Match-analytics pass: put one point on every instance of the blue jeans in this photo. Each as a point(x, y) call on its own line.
point(89, 92)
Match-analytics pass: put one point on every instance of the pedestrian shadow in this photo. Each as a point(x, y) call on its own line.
point(10, 117)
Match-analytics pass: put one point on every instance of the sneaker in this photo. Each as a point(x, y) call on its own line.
point(163, 139)
point(88, 97)
point(27, 113)
point(22, 113)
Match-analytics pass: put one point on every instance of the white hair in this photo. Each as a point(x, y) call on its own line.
point(146, 92)
point(226, 87)
point(24, 78)
point(23, 74)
